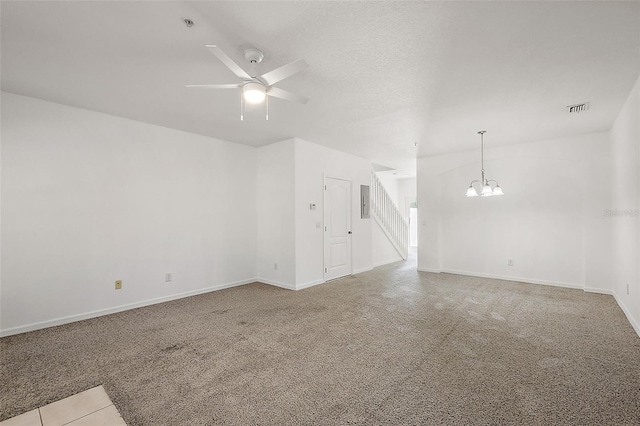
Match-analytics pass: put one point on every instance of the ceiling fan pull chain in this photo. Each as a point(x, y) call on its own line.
point(241, 106)
point(267, 105)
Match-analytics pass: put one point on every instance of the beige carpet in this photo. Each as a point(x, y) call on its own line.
point(391, 346)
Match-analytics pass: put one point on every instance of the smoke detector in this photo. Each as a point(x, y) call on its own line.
point(578, 108)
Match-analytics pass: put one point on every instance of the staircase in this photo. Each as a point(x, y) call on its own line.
point(388, 216)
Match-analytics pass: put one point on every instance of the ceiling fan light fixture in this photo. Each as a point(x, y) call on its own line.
point(254, 93)
point(253, 89)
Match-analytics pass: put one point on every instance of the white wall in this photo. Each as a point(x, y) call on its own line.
point(625, 190)
point(276, 214)
point(383, 251)
point(407, 190)
point(291, 177)
point(89, 198)
point(557, 236)
point(312, 163)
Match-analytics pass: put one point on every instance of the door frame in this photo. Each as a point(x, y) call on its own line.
point(407, 204)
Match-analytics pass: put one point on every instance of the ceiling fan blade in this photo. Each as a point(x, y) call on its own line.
point(283, 94)
point(215, 86)
point(229, 62)
point(272, 77)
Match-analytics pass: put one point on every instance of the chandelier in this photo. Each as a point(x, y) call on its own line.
point(488, 187)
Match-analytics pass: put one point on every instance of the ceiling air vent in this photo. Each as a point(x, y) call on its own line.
point(577, 108)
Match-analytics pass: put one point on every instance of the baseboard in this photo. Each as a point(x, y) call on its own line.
point(522, 280)
point(116, 309)
point(434, 271)
point(361, 270)
point(598, 290)
point(276, 284)
point(309, 284)
point(516, 279)
point(386, 262)
point(627, 313)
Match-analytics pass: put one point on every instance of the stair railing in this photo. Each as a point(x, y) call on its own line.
point(389, 217)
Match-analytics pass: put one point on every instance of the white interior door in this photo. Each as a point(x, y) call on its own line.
point(337, 230)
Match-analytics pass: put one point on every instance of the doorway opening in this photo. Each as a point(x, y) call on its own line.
point(413, 225)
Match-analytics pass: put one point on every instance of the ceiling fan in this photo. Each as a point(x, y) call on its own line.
point(256, 89)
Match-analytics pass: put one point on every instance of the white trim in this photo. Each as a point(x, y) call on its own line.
point(434, 271)
point(627, 313)
point(324, 227)
point(309, 284)
point(598, 290)
point(361, 270)
point(293, 287)
point(516, 279)
point(276, 284)
point(107, 311)
point(521, 280)
point(386, 262)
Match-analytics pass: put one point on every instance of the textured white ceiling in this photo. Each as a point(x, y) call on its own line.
point(382, 75)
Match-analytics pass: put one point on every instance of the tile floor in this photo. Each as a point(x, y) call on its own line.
point(89, 408)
